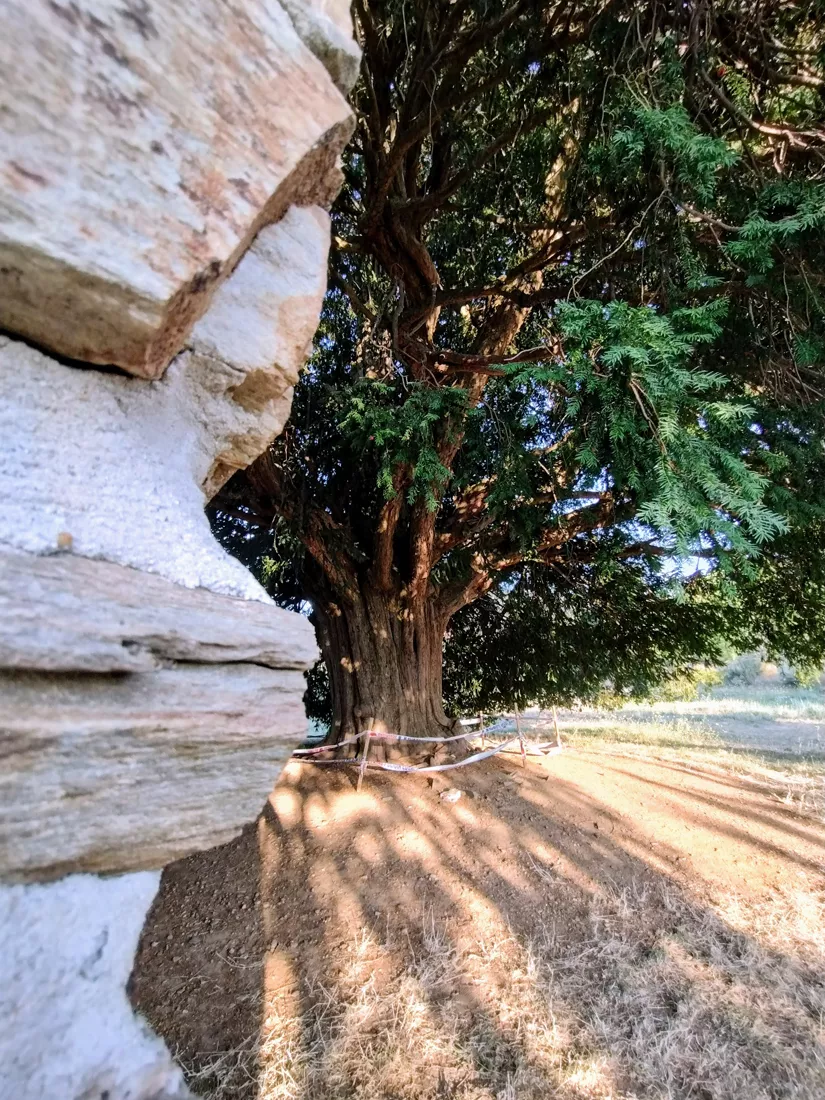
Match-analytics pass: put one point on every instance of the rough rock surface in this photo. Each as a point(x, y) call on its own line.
point(164, 170)
point(141, 721)
point(107, 466)
point(247, 350)
point(325, 27)
point(122, 772)
point(117, 467)
point(138, 173)
point(67, 1029)
point(69, 614)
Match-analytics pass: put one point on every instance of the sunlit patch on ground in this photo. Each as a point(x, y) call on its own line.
point(624, 920)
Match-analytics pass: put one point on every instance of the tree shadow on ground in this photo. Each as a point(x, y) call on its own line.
point(532, 940)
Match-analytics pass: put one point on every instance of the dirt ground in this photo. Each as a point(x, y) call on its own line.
point(591, 926)
point(767, 734)
point(790, 736)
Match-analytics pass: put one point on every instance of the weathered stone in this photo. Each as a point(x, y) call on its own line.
point(142, 147)
point(128, 772)
point(69, 614)
point(249, 347)
point(67, 1030)
point(325, 27)
point(117, 467)
point(110, 466)
point(162, 167)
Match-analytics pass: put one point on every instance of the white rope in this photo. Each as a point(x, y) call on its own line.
point(391, 738)
point(327, 748)
point(421, 767)
point(380, 735)
point(306, 755)
point(441, 767)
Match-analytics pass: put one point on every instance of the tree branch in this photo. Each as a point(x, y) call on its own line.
point(385, 533)
point(327, 541)
point(361, 308)
point(468, 520)
point(572, 524)
point(456, 361)
point(418, 208)
point(422, 546)
point(798, 138)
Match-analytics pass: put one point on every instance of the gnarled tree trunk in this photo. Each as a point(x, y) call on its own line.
point(383, 657)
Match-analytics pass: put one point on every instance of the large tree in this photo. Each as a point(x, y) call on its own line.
point(573, 334)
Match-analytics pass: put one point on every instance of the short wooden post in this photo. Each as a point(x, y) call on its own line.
point(364, 755)
point(481, 721)
point(521, 740)
point(556, 728)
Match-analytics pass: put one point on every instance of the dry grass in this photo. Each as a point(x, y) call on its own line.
point(798, 784)
point(652, 996)
point(640, 991)
point(693, 733)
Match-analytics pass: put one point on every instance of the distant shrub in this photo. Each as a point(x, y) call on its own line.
point(706, 678)
point(688, 686)
point(749, 668)
point(609, 699)
point(743, 670)
point(806, 676)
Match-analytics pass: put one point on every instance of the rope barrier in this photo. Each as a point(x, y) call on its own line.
point(391, 738)
point(369, 736)
point(327, 748)
point(364, 764)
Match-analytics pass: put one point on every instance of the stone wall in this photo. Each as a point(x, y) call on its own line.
point(165, 171)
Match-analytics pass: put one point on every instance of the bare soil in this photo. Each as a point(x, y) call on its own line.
point(591, 926)
point(797, 736)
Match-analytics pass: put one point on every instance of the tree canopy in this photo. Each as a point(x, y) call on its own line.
point(571, 353)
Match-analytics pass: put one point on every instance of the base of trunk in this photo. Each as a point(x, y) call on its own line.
point(384, 668)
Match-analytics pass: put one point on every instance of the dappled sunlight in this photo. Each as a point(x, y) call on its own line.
point(587, 928)
point(287, 805)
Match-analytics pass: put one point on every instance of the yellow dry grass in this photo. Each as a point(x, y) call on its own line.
point(662, 999)
point(672, 950)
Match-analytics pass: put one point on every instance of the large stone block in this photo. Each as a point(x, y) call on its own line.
point(127, 772)
point(109, 466)
point(325, 26)
point(67, 614)
point(142, 147)
point(139, 721)
point(67, 1030)
point(163, 169)
point(247, 350)
point(119, 467)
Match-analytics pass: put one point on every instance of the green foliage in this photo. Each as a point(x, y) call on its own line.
point(687, 686)
point(808, 676)
point(779, 605)
point(743, 670)
point(317, 697)
point(402, 430)
point(671, 137)
point(545, 639)
point(761, 238)
point(629, 201)
point(672, 434)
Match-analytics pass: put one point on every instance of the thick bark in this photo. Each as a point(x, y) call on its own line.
point(384, 662)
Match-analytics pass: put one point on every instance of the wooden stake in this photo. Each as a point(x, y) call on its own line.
point(521, 740)
point(481, 720)
point(363, 767)
point(556, 728)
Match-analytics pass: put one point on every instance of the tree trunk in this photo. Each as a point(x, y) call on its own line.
point(384, 665)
